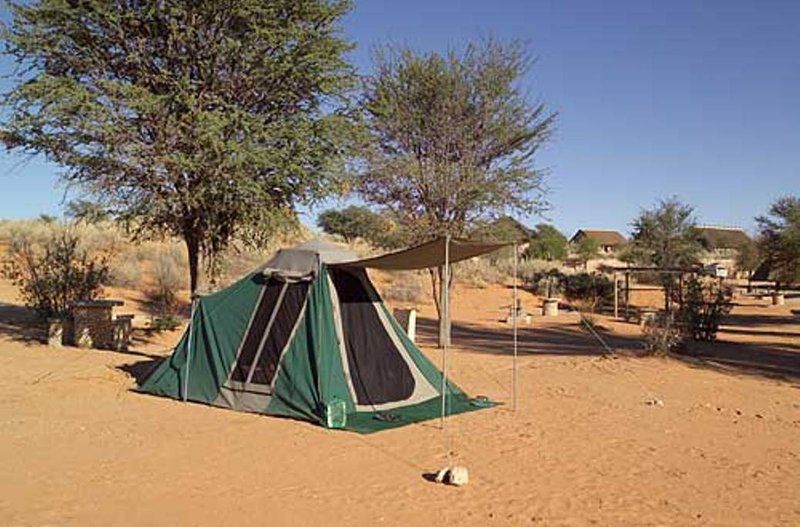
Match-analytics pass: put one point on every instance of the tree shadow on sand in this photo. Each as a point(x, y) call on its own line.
point(567, 339)
point(775, 361)
point(21, 324)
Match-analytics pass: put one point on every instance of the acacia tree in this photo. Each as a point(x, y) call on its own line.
point(665, 237)
point(354, 222)
point(207, 120)
point(586, 249)
point(748, 256)
point(780, 240)
point(547, 243)
point(452, 140)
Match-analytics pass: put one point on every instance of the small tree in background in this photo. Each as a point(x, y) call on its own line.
point(705, 303)
point(547, 243)
point(780, 240)
point(748, 257)
point(586, 250)
point(665, 237)
point(354, 222)
point(452, 140)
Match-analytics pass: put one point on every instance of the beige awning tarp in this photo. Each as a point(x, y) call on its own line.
point(430, 254)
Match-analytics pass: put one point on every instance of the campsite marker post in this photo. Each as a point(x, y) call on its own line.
point(189, 352)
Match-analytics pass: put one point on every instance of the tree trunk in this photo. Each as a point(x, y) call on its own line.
point(193, 252)
point(437, 277)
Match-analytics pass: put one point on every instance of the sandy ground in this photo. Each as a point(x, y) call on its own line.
point(582, 448)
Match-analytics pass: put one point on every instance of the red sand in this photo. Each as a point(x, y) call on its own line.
point(583, 448)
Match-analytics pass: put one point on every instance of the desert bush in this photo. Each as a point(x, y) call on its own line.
point(56, 272)
point(478, 272)
point(548, 284)
point(168, 279)
point(403, 287)
point(662, 335)
point(588, 290)
point(705, 303)
point(125, 271)
point(168, 322)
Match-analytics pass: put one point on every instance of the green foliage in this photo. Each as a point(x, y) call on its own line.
point(748, 257)
point(780, 239)
point(167, 322)
point(355, 222)
point(586, 249)
point(705, 302)
point(665, 237)
point(547, 243)
point(86, 211)
point(204, 120)
point(503, 229)
point(54, 273)
point(588, 290)
point(549, 284)
point(452, 139)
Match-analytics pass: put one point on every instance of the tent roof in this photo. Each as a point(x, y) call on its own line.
point(430, 254)
point(301, 261)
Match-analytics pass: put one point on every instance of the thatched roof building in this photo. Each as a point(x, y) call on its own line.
point(715, 237)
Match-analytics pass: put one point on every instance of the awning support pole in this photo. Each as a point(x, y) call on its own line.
point(515, 316)
point(446, 327)
point(189, 352)
point(616, 297)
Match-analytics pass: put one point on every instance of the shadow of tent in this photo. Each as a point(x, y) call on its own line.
point(140, 370)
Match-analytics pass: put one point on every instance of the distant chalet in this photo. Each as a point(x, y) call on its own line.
point(718, 238)
point(607, 240)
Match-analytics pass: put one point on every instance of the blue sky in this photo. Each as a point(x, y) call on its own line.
point(698, 99)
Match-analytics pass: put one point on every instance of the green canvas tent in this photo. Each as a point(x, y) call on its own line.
point(306, 336)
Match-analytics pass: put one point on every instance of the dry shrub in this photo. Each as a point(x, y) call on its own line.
point(235, 264)
point(479, 272)
point(403, 286)
point(662, 335)
point(53, 273)
point(125, 272)
point(169, 277)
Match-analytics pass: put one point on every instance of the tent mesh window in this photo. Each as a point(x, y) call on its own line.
point(379, 373)
point(270, 329)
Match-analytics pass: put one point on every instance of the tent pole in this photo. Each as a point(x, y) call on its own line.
point(515, 315)
point(446, 327)
point(189, 352)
